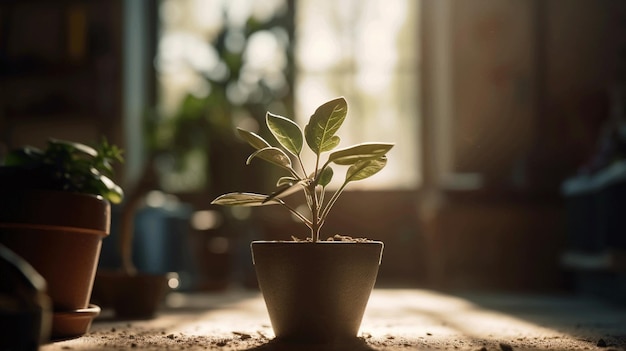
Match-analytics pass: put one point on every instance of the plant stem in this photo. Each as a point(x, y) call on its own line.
point(315, 225)
point(302, 167)
point(294, 173)
point(314, 206)
point(332, 201)
point(296, 213)
point(322, 192)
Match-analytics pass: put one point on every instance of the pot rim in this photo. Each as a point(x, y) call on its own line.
point(55, 208)
point(54, 228)
point(58, 193)
point(317, 246)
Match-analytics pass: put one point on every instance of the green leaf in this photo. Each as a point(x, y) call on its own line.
point(325, 176)
point(74, 147)
point(273, 155)
point(25, 156)
point(286, 131)
point(286, 180)
point(365, 169)
point(111, 191)
point(243, 199)
point(283, 191)
point(109, 152)
point(360, 152)
point(324, 123)
point(253, 139)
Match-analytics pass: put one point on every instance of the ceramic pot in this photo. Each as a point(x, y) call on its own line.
point(136, 296)
point(316, 292)
point(60, 234)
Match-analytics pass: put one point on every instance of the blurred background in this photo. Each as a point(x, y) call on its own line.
point(508, 117)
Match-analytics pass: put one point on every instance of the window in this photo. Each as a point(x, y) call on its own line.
point(220, 64)
point(367, 51)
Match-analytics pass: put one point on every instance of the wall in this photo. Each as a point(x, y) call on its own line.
point(526, 87)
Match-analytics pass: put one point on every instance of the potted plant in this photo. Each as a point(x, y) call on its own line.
point(315, 290)
point(54, 213)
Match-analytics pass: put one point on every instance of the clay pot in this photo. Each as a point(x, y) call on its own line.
point(136, 296)
point(60, 234)
point(316, 292)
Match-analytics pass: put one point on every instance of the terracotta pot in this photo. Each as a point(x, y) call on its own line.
point(60, 235)
point(135, 296)
point(316, 292)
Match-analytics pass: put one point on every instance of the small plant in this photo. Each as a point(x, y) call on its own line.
point(363, 161)
point(64, 166)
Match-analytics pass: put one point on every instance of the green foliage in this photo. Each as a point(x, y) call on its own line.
point(363, 161)
point(64, 166)
point(324, 123)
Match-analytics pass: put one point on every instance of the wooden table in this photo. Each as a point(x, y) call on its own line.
point(396, 319)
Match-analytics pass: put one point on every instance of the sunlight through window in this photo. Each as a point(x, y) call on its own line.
point(364, 50)
point(368, 52)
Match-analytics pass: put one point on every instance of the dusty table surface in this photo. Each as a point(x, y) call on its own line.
point(396, 319)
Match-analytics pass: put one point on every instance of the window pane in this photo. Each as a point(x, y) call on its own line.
point(367, 51)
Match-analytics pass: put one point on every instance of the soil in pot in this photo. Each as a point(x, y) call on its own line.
point(316, 292)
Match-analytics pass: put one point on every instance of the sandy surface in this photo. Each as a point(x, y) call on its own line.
point(394, 320)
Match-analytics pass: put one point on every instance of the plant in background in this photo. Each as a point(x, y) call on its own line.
point(65, 166)
point(363, 161)
point(54, 213)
